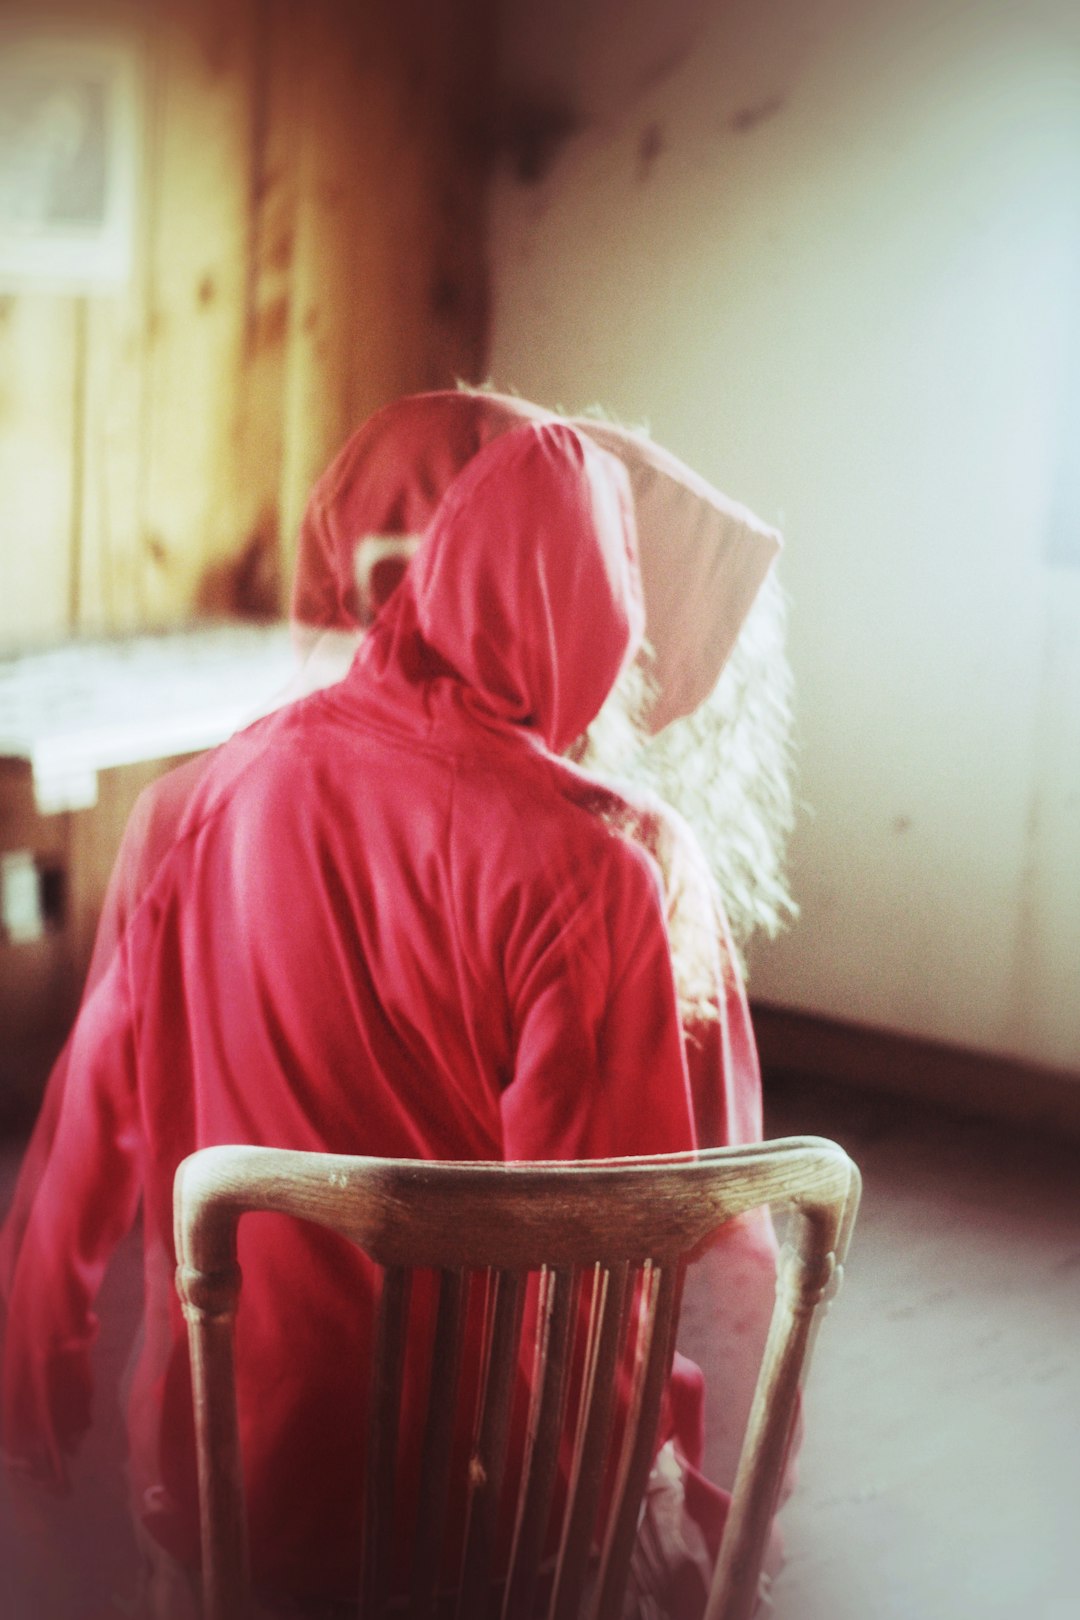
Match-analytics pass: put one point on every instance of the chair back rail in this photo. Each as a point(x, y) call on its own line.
point(606, 1243)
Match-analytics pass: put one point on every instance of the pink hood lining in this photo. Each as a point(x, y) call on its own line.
point(703, 557)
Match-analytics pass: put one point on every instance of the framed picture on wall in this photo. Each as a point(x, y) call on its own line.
point(69, 115)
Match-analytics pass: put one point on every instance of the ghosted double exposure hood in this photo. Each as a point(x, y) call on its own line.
point(523, 604)
point(703, 556)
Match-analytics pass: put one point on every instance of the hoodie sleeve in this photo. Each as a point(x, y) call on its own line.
point(85, 1201)
point(725, 1075)
point(599, 1065)
point(150, 832)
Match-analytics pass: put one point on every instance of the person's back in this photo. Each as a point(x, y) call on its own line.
point(388, 925)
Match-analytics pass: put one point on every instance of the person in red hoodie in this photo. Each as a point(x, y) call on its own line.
point(704, 558)
point(220, 795)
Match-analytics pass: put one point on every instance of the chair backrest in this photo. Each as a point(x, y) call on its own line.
point(609, 1239)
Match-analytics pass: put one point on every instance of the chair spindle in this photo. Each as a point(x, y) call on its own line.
point(446, 1355)
point(377, 1543)
point(489, 1453)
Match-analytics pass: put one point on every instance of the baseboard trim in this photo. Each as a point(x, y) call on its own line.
point(977, 1084)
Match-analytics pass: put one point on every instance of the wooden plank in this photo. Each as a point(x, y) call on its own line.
point(111, 561)
point(310, 244)
point(489, 1456)
point(389, 292)
point(108, 560)
point(610, 1301)
point(386, 1378)
point(335, 374)
point(446, 1356)
point(209, 1299)
point(38, 360)
point(662, 1297)
point(183, 414)
point(545, 1426)
point(448, 53)
point(263, 573)
point(199, 154)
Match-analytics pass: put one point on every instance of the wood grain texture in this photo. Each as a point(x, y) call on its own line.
point(616, 1221)
point(200, 159)
point(558, 1296)
point(309, 244)
point(652, 1353)
point(488, 1457)
point(612, 1290)
point(446, 1354)
point(112, 561)
point(391, 1328)
point(209, 1302)
point(37, 464)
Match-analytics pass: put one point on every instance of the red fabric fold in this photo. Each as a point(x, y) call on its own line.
point(386, 919)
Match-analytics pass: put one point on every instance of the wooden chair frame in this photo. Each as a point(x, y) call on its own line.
point(607, 1217)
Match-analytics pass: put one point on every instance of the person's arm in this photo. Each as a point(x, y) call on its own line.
point(599, 1067)
point(731, 1288)
point(725, 1075)
point(86, 1200)
point(725, 1078)
point(148, 834)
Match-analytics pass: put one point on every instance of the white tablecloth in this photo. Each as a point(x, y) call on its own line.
point(74, 710)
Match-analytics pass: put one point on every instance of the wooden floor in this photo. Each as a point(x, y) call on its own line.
point(940, 1475)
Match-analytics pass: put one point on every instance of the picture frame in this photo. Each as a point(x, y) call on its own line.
point(69, 125)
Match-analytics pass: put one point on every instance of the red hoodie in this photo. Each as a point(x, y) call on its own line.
point(390, 923)
point(703, 557)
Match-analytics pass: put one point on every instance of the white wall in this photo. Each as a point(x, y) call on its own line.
point(831, 251)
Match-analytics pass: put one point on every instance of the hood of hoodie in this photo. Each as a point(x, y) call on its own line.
point(387, 480)
point(523, 602)
point(703, 557)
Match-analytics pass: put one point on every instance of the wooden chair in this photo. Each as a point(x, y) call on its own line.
point(610, 1226)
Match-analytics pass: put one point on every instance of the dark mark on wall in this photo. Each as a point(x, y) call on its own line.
point(748, 118)
point(901, 824)
point(158, 550)
point(248, 585)
point(650, 146)
point(281, 251)
point(272, 324)
point(475, 133)
point(452, 201)
point(206, 291)
point(445, 297)
point(532, 131)
point(224, 42)
point(656, 72)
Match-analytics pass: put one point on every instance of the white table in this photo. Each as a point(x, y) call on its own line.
point(87, 706)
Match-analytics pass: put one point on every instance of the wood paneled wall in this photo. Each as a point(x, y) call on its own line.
point(310, 244)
